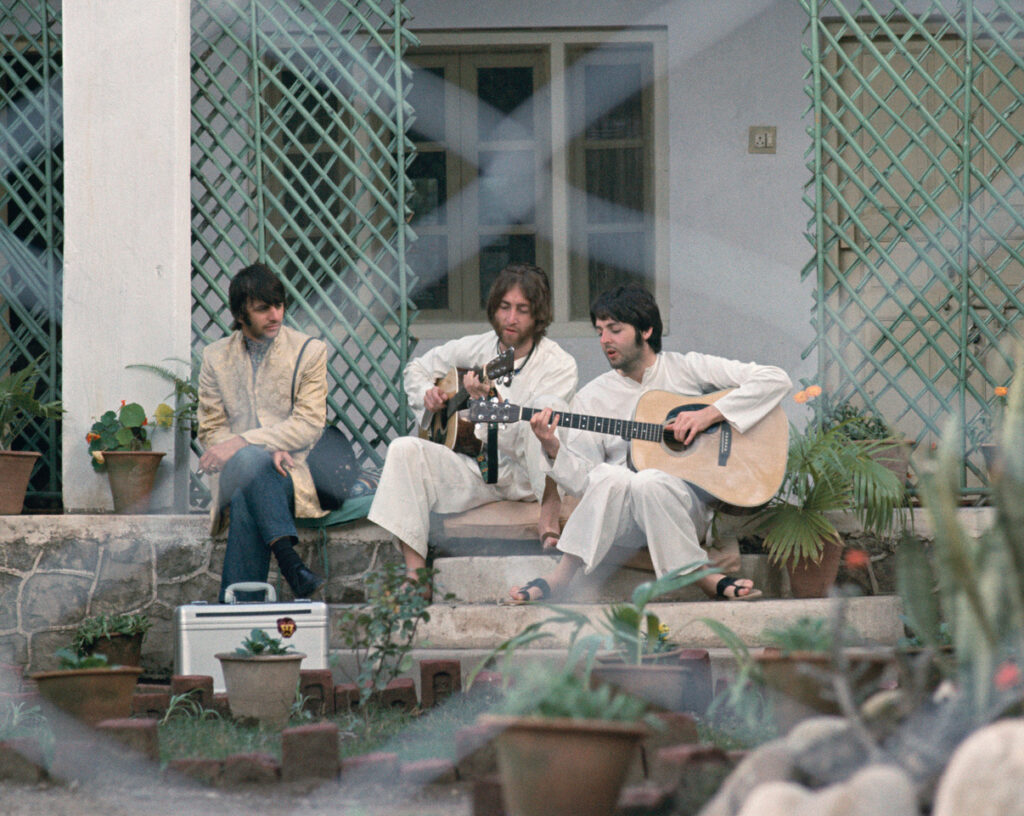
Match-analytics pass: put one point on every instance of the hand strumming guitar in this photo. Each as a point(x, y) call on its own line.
point(434, 399)
point(475, 387)
point(687, 424)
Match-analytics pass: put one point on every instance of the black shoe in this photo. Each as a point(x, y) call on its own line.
point(303, 581)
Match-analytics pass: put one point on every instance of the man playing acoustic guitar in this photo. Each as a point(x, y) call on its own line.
point(628, 508)
point(421, 476)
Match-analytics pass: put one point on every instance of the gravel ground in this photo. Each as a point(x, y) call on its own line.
point(127, 796)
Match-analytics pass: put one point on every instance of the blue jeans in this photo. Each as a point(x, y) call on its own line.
point(262, 502)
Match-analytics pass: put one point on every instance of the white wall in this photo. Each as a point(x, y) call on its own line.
point(737, 222)
point(127, 294)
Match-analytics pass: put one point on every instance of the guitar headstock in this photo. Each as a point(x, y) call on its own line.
point(492, 411)
point(501, 366)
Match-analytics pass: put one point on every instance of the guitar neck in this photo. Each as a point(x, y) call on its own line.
point(625, 428)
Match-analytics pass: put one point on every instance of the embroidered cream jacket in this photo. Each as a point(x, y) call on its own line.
point(259, 409)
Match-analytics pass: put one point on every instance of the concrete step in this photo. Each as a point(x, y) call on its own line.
point(487, 579)
point(482, 626)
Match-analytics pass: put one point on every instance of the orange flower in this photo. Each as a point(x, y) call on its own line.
point(122, 403)
point(800, 397)
point(1007, 676)
point(856, 559)
point(89, 437)
point(813, 391)
point(1001, 390)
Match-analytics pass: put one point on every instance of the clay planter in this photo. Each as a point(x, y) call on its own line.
point(261, 687)
point(814, 579)
point(131, 475)
point(563, 767)
point(802, 686)
point(15, 471)
point(679, 680)
point(120, 650)
point(90, 695)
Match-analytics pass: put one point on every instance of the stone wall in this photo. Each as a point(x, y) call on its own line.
point(56, 570)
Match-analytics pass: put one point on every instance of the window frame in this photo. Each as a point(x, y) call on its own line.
point(558, 43)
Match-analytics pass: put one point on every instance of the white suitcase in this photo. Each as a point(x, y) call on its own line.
point(202, 629)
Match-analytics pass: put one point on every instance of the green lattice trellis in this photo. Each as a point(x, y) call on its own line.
point(31, 216)
point(918, 159)
point(299, 158)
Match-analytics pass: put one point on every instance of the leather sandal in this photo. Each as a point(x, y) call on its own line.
point(725, 582)
point(524, 592)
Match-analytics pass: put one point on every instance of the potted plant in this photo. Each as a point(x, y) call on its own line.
point(89, 688)
point(262, 678)
point(119, 443)
point(802, 659)
point(643, 660)
point(18, 407)
point(826, 473)
point(119, 637)
point(863, 425)
point(565, 745)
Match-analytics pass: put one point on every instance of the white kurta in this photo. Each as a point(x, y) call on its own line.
point(420, 477)
point(628, 509)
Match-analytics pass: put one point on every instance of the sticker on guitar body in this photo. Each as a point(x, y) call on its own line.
point(741, 470)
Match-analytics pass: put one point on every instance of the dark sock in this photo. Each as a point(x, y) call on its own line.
point(284, 551)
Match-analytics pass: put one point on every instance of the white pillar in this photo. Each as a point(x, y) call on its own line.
point(127, 289)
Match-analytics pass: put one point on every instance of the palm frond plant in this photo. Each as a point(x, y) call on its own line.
point(828, 473)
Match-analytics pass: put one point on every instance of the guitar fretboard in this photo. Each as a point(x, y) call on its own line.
point(626, 428)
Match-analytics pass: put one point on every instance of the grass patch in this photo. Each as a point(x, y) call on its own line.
point(191, 733)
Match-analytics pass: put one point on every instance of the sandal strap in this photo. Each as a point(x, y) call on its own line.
point(539, 583)
point(723, 584)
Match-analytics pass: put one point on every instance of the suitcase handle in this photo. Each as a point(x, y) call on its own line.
point(270, 595)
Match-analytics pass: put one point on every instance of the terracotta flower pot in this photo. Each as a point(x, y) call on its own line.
point(814, 579)
point(679, 680)
point(261, 687)
point(802, 684)
point(563, 767)
point(90, 695)
point(131, 475)
point(15, 471)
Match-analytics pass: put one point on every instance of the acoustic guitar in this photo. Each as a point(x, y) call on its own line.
point(741, 470)
point(446, 426)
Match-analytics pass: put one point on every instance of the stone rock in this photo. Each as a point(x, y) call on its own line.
point(771, 762)
point(878, 790)
point(825, 751)
point(49, 600)
point(983, 778)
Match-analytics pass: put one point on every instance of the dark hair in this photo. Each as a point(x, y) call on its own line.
point(533, 281)
point(255, 282)
point(631, 304)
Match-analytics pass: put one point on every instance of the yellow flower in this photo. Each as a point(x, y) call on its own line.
point(663, 628)
point(98, 456)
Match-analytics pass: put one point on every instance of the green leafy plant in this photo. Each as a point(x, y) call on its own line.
point(854, 422)
point(260, 643)
point(70, 659)
point(635, 631)
point(185, 392)
point(544, 692)
point(807, 634)
point(93, 629)
point(982, 429)
point(826, 472)
point(19, 405)
point(381, 631)
point(127, 429)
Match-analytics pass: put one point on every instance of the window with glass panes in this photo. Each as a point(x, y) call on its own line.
point(493, 154)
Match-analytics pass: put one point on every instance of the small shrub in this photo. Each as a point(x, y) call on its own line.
point(260, 643)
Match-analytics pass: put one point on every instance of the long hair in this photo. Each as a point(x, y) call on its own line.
point(631, 304)
point(533, 282)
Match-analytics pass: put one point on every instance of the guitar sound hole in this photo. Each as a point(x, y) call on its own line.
point(670, 441)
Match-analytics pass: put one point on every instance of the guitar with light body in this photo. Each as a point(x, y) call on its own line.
point(446, 426)
point(741, 470)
